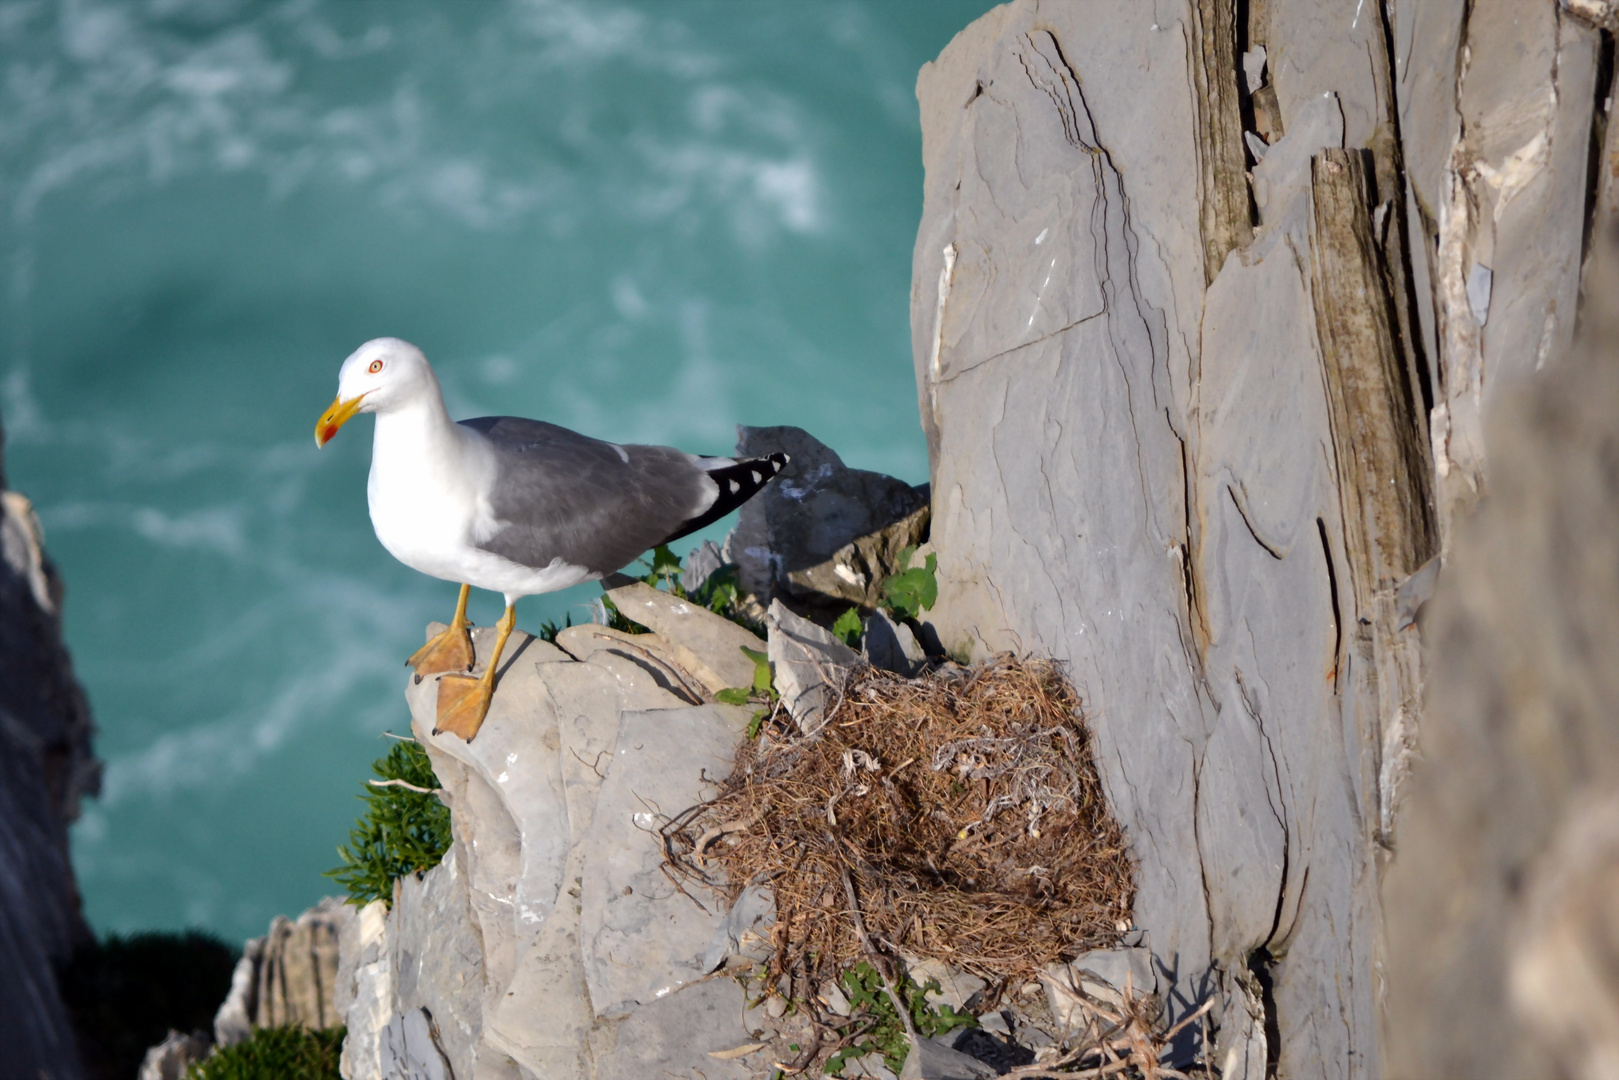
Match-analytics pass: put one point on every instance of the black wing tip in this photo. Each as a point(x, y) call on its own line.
point(774, 462)
point(737, 484)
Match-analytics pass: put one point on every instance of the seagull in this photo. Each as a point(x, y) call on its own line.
point(516, 506)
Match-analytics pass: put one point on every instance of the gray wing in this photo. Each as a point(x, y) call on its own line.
point(591, 503)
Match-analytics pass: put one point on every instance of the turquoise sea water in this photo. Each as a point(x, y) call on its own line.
point(648, 221)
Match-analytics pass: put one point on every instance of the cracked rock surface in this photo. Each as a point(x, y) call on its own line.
point(549, 926)
point(1203, 386)
point(1210, 303)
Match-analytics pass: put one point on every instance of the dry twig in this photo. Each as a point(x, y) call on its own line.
point(968, 813)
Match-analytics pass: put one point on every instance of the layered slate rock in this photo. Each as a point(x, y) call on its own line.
point(703, 643)
point(550, 919)
point(46, 767)
point(822, 535)
point(289, 976)
point(807, 662)
point(643, 936)
point(1500, 902)
point(693, 1026)
point(1500, 149)
point(1202, 440)
point(1209, 303)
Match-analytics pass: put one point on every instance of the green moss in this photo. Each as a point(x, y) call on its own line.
point(401, 832)
point(277, 1053)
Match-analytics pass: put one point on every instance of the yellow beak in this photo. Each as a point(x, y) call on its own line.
point(338, 414)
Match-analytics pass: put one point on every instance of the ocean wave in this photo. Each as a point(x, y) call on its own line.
point(347, 671)
point(219, 529)
point(115, 96)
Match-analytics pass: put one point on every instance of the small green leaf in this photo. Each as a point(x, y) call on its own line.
point(913, 591)
point(761, 671)
point(736, 695)
point(847, 629)
point(663, 572)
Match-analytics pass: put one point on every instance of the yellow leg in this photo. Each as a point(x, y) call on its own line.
point(450, 650)
point(463, 701)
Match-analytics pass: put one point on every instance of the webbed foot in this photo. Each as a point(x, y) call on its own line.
point(450, 649)
point(463, 702)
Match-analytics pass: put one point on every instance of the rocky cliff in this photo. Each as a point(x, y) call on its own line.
point(46, 766)
point(1502, 955)
point(550, 942)
point(1209, 302)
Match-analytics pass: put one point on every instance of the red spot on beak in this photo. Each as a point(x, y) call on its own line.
point(326, 435)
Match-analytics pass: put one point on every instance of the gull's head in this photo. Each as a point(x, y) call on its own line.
point(380, 375)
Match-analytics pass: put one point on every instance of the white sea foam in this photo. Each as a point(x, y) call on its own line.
point(130, 99)
point(212, 755)
point(23, 418)
point(589, 130)
point(218, 529)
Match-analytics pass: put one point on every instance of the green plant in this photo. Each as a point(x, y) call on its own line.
point(664, 570)
point(763, 690)
point(275, 1053)
point(719, 594)
point(549, 629)
point(914, 589)
point(848, 629)
point(404, 829)
point(885, 1035)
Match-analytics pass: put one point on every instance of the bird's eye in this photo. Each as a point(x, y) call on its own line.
point(376, 366)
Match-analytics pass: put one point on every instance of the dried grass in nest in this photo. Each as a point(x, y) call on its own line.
point(963, 805)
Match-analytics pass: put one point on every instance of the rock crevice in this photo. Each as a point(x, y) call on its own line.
point(1221, 504)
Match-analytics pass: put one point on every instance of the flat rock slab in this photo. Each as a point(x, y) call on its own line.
point(708, 646)
point(544, 1019)
point(745, 930)
point(661, 661)
point(365, 990)
point(507, 790)
point(438, 960)
point(1099, 975)
point(821, 532)
point(678, 1036)
point(587, 699)
point(956, 987)
point(935, 1059)
point(891, 646)
point(805, 659)
point(409, 1051)
point(642, 938)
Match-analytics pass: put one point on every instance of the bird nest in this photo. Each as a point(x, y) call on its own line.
point(958, 814)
